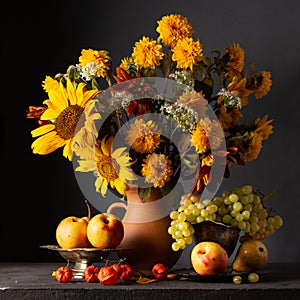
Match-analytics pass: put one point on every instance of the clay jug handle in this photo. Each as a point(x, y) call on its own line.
point(115, 205)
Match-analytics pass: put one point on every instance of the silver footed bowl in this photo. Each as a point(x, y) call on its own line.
point(81, 257)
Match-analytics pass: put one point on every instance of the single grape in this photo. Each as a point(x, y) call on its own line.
point(253, 277)
point(247, 189)
point(175, 246)
point(237, 279)
point(233, 198)
point(237, 206)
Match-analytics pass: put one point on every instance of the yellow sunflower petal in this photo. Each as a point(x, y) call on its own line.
point(118, 152)
point(125, 174)
point(120, 186)
point(98, 183)
point(85, 166)
point(42, 130)
point(71, 92)
point(67, 152)
point(50, 114)
point(87, 96)
point(47, 143)
point(104, 187)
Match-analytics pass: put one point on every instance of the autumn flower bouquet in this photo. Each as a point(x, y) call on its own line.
point(93, 92)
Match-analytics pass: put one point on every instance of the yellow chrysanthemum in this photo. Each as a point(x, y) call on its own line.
point(157, 169)
point(112, 168)
point(50, 84)
point(239, 87)
point(147, 53)
point(64, 110)
point(143, 137)
point(102, 58)
point(265, 84)
point(173, 28)
point(235, 64)
point(207, 135)
point(187, 53)
point(263, 129)
point(194, 100)
point(253, 149)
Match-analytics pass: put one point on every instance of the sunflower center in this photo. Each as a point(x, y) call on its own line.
point(107, 168)
point(67, 121)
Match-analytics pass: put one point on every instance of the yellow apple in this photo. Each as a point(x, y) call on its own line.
point(105, 230)
point(209, 258)
point(71, 232)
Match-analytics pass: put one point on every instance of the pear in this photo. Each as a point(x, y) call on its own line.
point(251, 255)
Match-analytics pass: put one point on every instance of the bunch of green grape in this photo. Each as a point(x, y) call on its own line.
point(242, 207)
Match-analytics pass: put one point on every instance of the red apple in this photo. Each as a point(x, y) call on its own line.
point(209, 258)
point(105, 231)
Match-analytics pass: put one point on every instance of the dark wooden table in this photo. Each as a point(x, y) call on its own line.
point(33, 281)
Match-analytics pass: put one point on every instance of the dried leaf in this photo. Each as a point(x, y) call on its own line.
point(172, 276)
point(145, 280)
point(183, 278)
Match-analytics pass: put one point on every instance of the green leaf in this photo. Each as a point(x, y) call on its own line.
point(144, 193)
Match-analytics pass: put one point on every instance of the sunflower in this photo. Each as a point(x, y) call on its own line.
point(263, 127)
point(254, 147)
point(207, 135)
point(264, 86)
point(173, 28)
point(86, 135)
point(143, 137)
point(111, 168)
point(157, 169)
point(64, 109)
point(228, 117)
point(101, 58)
point(239, 87)
point(235, 64)
point(187, 53)
point(147, 53)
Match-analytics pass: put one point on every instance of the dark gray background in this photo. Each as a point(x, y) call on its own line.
point(44, 38)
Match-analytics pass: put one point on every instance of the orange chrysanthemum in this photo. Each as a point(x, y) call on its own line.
point(187, 53)
point(102, 58)
point(194, 100)
point(173, 28)
point(157, 169)
point(207, 135)
point(143, 137)
point(147, 53)
point(235, 64)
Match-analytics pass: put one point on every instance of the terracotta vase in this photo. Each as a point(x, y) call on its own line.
point(146, 239)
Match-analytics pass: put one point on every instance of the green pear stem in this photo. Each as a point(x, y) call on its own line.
point(88, 208)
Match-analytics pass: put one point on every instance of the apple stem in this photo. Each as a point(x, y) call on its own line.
point(88, 208)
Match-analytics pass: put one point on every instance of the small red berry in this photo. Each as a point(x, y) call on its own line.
point(108, 275)
point(160, 271)
point(63, 274)
point(91, 274)
point(127, 272)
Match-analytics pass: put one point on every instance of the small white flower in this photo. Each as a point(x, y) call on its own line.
point(89, 71)
point(231, 99)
